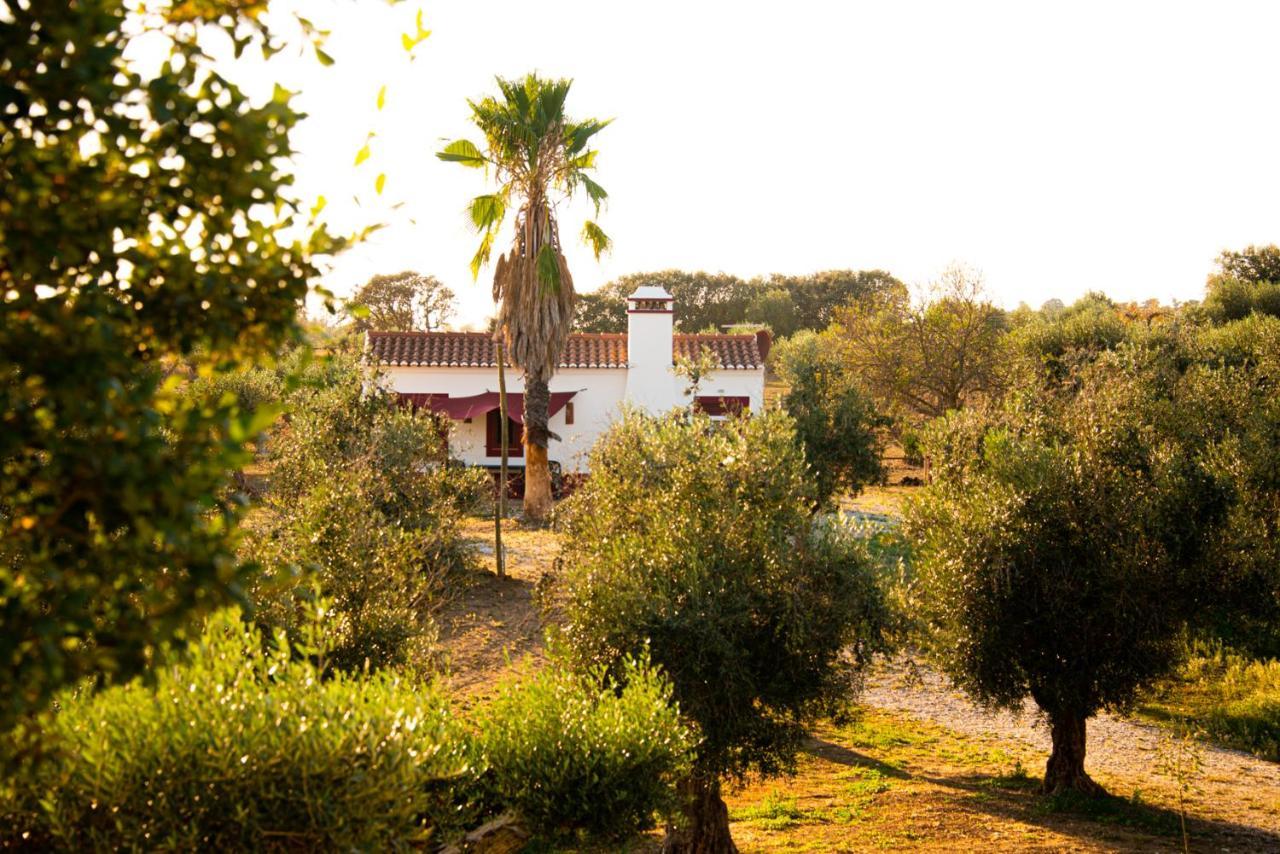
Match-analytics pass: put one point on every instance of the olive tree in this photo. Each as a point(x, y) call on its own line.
point(1055, 546)
point(835, 421)
point(145, 222)
point(693, 543)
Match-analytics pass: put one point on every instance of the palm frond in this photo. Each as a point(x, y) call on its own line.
point(594, 236)
point(578, 135)
point(482, 254)
point(585, 160)
point(595, 192)
point(488, 211)
point(463, 151)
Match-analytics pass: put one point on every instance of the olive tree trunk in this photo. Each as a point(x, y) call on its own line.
point(1065, 770)
point(537, 470)
point(706, 821)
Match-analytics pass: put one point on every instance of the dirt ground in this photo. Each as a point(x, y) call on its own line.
point(919, 767)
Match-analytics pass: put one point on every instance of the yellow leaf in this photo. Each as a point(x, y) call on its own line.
point(407, 41)
point(319, 206)
point(380, 182)
point(382, 97)
point(362, 155)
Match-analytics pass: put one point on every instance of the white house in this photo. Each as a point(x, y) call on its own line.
point(456, 373)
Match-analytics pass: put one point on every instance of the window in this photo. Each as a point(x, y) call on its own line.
point(720, 405)
point(568, 412)
point(493, 436)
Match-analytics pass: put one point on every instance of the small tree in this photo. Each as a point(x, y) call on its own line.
point(695, 544)
point(835, 422)
point(401, 302)
point(1053, 550)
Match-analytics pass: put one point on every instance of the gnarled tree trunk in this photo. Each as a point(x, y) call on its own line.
point(537, 470)
point(706, 821)
point(1065, 770)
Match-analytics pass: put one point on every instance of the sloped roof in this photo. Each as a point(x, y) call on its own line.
point(582, 350)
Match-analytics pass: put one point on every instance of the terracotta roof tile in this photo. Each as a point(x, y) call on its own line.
point(582, 350)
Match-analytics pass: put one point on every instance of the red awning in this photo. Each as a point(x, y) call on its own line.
point(462, 408)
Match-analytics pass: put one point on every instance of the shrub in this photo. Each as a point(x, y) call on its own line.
point(243, 746)
point(695, 543)
point(587, 752)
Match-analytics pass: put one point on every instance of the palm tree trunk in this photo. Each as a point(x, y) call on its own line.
point(537, 469)
point(500, 507)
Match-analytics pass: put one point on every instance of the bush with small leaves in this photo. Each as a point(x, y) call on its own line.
point(587, 753)
point(247, 744)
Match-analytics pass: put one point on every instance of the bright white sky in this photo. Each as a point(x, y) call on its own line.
point(1056, 147)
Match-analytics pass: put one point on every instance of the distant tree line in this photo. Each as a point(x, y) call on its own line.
point(713, 301)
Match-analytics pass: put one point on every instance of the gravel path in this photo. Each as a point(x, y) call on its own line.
point(1235, 788)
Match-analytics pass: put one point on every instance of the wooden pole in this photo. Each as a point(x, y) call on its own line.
point(500, 509)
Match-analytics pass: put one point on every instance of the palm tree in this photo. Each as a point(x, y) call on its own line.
point(538, 157)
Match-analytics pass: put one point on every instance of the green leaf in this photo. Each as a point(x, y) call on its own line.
point(595, 237)
point(549, 268)
point(325, 59)
point(464, 152)
point(380, 182)
point(362, 155)
point(487, 211)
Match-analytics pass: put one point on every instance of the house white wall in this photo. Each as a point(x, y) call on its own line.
point(595, 406)
point(599, 401)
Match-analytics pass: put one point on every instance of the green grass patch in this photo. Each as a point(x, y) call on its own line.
point(1225, 697)
point(865, 783)
point(774, 812)
point(877, 733)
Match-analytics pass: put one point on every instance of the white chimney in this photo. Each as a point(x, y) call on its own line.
point(650, 379)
